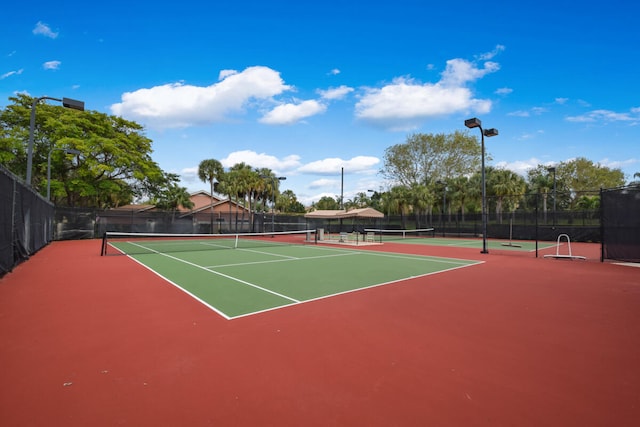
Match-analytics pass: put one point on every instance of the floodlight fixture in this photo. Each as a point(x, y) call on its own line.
point(73, 104)
point(476, 123)
point(473, 123)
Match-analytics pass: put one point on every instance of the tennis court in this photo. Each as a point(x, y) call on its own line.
point(523, 341)
point(429, 236)
point(240, 275)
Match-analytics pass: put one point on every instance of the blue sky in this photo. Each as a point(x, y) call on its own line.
point(309, 89)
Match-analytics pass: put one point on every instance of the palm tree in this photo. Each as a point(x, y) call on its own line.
point(263, 190)
point(244, 178)
point(542, 184)
point(209, 171)
point(459, 193)
point(421, 198)
point(227, 187)
point(173, 197)
point(505, 184)
point(399, 201)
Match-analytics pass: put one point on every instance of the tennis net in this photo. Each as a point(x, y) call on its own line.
point(382, 235)
point(148, 243)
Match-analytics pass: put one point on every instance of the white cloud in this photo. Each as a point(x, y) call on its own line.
point(334, 72)
point(324, 182)
point(51, 65)
point(561, 101)
point(539, 110)
point(262, 160)
point(405, 103)
point(490, 55)
point(335, 165)
point(619, 164)
point(179, 105)
point(286, 114)
point(189, 175)
point(526, 136)
point(527, 113)
point(335, 93)
point(11, 73)
point(504, 91)
point(607, 116)
point(42, 29)
point(460, 72)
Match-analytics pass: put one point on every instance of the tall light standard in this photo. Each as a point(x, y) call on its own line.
point(476, 123)
point(66, 151)
point(67, 103)
point(553, 169)
point(273, 211)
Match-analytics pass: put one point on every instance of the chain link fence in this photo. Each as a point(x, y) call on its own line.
point(612, 218)
point(25, 221)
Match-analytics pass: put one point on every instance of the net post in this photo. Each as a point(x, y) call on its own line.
point(103, 249)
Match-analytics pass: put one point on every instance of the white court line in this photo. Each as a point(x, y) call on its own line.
point(289, 259)
point(467, 243)
point(221, 274)
point(206, 304)
point(342, 252)
point(357, 289)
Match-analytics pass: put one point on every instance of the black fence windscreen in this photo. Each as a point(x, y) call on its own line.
point(621, 224)
point(25, 221)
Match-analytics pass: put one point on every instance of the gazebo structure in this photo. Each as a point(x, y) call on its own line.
point(353, 232)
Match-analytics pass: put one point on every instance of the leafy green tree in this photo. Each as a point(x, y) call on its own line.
point(174, 196)
point(327, 203)
point(431, 157)
point(288, 202)
point(588, 203)
point(114, 165)
point(541, 182)
point(360, 200)
point(583, 175)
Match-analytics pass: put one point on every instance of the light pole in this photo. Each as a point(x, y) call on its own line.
point(553, 169)
point(67, 103)
point(273, 211)
point(476, 123)
point(66, 151)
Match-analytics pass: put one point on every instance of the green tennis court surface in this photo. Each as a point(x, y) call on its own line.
point(526, 246)
point(243, 281)
point(428, 236)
